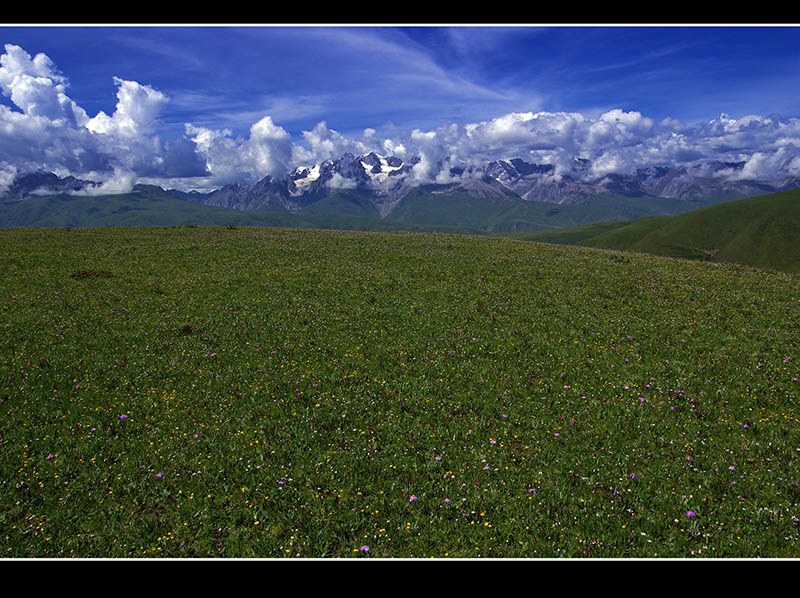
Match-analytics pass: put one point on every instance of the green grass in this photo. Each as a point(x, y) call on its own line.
point(260, 392)
point(568, 235)
point(761, 231)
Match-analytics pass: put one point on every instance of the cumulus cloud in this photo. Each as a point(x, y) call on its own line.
point(617, 141)
point(36, 87)
point(49, 131)
point(337, 181)
point(268, 150)
point(138, 107)
point(44, 128)
point(328, 144)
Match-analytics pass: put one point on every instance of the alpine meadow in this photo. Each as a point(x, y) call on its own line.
point(553, 334)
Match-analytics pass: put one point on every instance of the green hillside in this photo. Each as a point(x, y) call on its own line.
point(573, 235)
point(145, 206)
point(762, 231)
point(507, 214)
point(458, 209)
point(345, 202)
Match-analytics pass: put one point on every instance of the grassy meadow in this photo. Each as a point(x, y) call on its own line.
point(268, 392)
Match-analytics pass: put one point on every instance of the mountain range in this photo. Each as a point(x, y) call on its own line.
point(386, 193)
point(383, 182)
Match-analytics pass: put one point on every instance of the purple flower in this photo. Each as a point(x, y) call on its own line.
point(690, 514)
point(123, 416)
point(159, 475)
point(48, 457)
point(447, 500)
point(412, 498)
point(364, 548)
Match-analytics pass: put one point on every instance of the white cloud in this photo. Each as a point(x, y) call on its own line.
point(121, 181)
point(337, 181)
point(8, 173)
point(36, 87)
point(136, 112)
point(49, 131)
point(44, 128)
point(328, 144)
point(268, 151)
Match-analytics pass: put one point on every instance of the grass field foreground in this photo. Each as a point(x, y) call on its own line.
point(260, 392)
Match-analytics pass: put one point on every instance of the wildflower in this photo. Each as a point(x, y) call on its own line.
point(690, 514)
point(48, 457)
point(159, 475)
point(364, 548)
point(732, 468)
point(412, 498)
point(492, 441)
point(633, 476)
point(447, 501)
point(123, 416)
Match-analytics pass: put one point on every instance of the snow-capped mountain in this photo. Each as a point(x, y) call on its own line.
point(382, 179)
point(383, 182)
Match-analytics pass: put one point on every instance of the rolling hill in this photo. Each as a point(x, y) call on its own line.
point(760, 231)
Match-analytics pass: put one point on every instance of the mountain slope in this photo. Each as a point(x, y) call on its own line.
point(145, 206)
point(762, 231)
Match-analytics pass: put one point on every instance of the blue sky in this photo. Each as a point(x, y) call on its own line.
point(394, 80)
